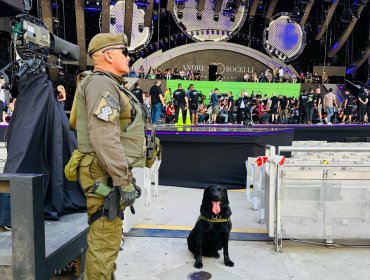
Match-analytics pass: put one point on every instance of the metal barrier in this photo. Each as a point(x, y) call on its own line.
point(36, 249)
point(323, 202)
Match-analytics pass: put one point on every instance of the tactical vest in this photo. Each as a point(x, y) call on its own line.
point(132, 123)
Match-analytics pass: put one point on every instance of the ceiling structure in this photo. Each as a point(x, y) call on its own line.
point(337, 31)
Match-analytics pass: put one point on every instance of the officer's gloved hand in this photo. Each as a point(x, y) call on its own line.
point(128, 195)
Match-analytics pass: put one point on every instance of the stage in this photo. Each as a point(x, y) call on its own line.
point(194, 156)
point(323, 132)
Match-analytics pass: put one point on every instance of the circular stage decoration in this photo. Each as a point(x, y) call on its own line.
point(209, 25)
point(284, 37)
point(140, 36)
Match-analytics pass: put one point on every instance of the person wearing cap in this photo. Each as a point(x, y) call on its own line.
point(102, 108)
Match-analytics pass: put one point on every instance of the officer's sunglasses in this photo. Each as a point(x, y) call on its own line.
point(124, 50)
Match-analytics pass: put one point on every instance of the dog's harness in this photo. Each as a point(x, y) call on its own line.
point(214, 219)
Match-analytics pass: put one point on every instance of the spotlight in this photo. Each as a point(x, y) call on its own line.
point(92, 5)
point(141, 27)
point(216, 17)
point(199, 16)
point(113, 19)
point(232, 18)
point(260, 5)
point(180, 14)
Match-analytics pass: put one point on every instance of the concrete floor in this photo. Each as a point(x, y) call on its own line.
point(157, 258)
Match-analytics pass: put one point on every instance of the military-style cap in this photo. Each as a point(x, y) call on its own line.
point(103, 40)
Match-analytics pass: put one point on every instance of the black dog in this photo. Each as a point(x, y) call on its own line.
point(212, 230)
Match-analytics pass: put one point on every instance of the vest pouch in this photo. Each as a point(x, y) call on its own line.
point(85, 178)
point(135, 149)
point(157, 153)
point(70, 170)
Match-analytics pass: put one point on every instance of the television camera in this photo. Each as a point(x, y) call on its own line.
point(33, 44)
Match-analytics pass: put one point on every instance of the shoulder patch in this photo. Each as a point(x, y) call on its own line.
point(108, 108)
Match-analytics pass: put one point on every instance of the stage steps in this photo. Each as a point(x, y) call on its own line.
point(36, 249)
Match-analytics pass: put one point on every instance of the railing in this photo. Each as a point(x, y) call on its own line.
point(317, 201)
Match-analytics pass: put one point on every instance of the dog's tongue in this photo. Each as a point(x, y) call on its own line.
point(216, 207)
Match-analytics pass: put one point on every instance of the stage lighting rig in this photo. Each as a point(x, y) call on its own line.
point(284, 37)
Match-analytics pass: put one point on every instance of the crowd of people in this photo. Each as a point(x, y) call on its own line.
point(311, 107)
point(167, 74)
point(277, 75)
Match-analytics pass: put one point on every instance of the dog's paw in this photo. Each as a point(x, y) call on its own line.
point(198, 265)
point(228, 262)
point(198, 262)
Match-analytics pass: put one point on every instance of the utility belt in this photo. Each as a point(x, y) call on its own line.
point(111, 207)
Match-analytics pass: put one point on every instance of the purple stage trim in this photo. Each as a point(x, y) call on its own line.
point(207, 133)
point(218, 130)
point(311, 126)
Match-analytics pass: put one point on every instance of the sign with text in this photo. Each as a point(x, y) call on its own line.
point(232, 66)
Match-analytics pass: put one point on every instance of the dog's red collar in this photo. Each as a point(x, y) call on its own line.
point(215, 219)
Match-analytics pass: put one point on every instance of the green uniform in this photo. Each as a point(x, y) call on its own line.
point(100, 111)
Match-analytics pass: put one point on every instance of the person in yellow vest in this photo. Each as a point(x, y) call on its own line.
point(103, 170)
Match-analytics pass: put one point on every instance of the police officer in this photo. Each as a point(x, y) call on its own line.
point(180, 101)
point(100, 107)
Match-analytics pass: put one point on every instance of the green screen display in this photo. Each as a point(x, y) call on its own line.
point(287, 89)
